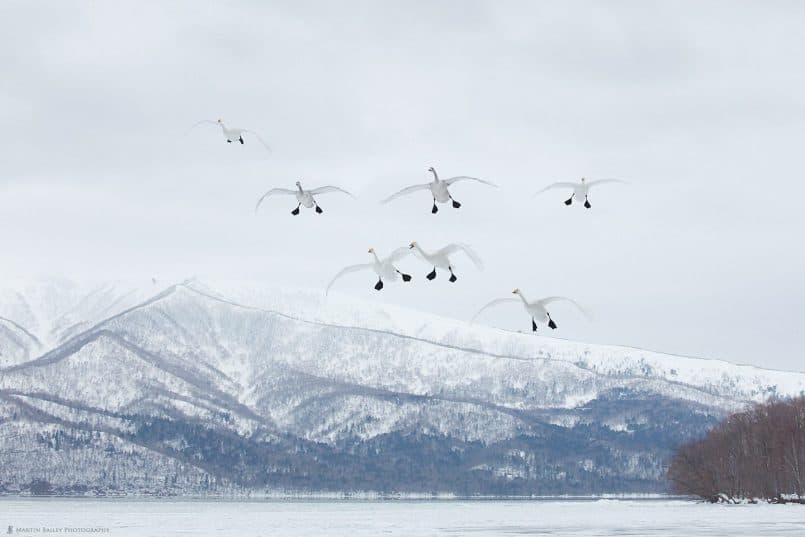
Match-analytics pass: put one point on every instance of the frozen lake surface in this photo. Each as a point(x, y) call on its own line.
point(409, 518)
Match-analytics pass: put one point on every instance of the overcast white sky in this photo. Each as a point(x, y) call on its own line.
point(700, 105)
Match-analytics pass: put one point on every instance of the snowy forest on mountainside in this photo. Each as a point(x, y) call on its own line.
point(185, 390)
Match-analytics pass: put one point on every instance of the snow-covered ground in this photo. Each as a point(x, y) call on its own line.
point(408, 518)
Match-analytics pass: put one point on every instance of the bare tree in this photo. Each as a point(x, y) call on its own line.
point(756, 454)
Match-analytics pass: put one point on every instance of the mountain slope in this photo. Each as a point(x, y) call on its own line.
point(275, 389)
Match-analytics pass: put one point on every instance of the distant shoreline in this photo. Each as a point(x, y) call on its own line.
point(358, 497)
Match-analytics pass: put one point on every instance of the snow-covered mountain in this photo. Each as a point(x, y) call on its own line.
point(201, 388)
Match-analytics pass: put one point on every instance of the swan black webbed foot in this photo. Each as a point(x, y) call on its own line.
point(432, 274)
point(295, 211)
point(319, 210)
point(533, 325)
point(379, 285)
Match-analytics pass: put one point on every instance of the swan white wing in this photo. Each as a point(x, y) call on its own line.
point(405, 191)
point(459, 247)
point(418, 253)
point(211, 122)
point(604, 181)
point(398, 254)
point(326, 189)
point(345, 271)
point(550, 299)
point(202, 122)
point(272, 192)
point(466, 178)
point(560, 184)
point(491, 304)
point(260, 138)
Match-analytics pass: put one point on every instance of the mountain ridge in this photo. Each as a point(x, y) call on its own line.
point(405, 400)
point(186, 284)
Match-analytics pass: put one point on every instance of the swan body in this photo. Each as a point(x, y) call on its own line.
point(441, 258)
point(439, 189)
point(537, 309)
point(581, 190)
point(383, 268)
point(232, 134)
point(305, 198)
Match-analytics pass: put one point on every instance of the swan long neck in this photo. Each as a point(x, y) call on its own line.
point(435, 175)
point(299, 186)
point(377, 259)
point(419, 249)
point(523, 298)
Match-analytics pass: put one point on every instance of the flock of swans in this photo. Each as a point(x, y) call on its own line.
point(385, 268)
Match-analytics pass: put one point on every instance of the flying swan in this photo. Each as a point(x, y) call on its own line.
point(384, 268)
point(536, 309)
point(304, 197)
point(580, 189)
point(438, 189)
point(232, 134)
point(441, 258)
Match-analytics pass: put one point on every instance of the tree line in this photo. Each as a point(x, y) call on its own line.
point(758, 454)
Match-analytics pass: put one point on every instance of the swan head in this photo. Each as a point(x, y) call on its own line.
point(299, 184)
point(413, 245)
point(220, 121)
point(371, 250)
point(583, 180)
point(516, 292)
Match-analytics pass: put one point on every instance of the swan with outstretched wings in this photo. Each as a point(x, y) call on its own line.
point(581, 189)
point(384, 268)
point(303, 197)
point(438, 189)
point(232, 134)
point(537, 309)
point(441, 258)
